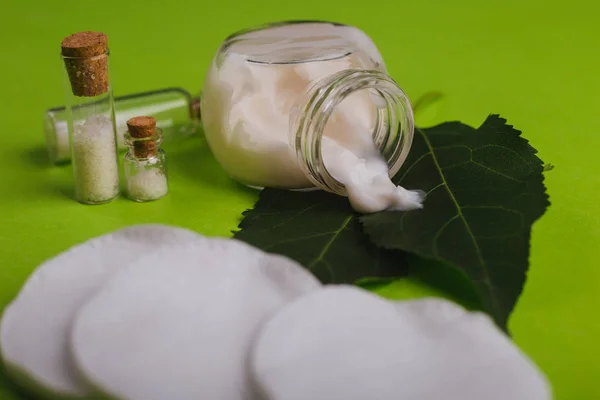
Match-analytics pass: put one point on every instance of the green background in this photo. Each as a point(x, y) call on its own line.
point(534, 62)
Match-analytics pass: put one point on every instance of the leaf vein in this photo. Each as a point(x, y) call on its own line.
point(329, 268)
point(457, 164)
point(434, 188)
point(494, 208)
point(496, 172)
point(486, 280)
point(451, 146)
point(439, 233)
point(413, 165)
point(334, 236)
point(298, 239)
point(296, 215)
point(505, 148)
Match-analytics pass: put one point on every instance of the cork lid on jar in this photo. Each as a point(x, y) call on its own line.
point(86, 59)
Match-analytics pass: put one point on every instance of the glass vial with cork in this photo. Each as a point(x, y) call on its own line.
point(90, 117)
point(145, 162)
point(177, 113)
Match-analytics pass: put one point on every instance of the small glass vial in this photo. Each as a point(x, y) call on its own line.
point(90, 117)
point(278, 97)
point(145, 162)
point(177, 113)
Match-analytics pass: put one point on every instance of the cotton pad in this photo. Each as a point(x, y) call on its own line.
point(344, 343)
point(178, 323)
point(34, 330)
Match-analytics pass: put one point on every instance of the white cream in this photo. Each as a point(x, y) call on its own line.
point(247, 108)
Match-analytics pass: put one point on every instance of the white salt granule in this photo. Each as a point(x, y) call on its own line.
point(63, 149)
point(148, 183)
point(95, 160)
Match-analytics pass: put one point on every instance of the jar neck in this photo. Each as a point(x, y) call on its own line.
point(392, 134)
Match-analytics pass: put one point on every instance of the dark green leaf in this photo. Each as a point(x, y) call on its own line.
point(485, 189)
point(321, 232)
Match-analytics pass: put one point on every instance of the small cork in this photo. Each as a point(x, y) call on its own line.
point(86, 60)
point(143, 128)
point(195, 111)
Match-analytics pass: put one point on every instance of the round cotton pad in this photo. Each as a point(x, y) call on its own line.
point(178, 324)
point(345, 343)
point(35, 327)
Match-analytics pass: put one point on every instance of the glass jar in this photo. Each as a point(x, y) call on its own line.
point(282, 102)
point(177, 113)
point(145, 167)
point(90, 117)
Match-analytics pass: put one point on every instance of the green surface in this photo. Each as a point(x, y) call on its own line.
point(535, 62)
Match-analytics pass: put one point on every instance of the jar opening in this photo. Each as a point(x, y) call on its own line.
point(278, 24)
point(370, 113)
point(290, 42)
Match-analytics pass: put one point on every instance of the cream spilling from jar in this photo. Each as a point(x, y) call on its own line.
point(251, 98)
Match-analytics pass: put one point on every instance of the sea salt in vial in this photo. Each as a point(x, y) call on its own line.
point(301, 105)
point(177, 113)
point(90, 117)
point(145, 162)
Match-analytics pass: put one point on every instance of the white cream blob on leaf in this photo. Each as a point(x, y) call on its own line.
point(34, 330)
point(178, 324)
point(366, 179)
point(342, 342)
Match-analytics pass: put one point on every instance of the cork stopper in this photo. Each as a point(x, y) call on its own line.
point(195, 111)
point(143, 128)
point(86, 59)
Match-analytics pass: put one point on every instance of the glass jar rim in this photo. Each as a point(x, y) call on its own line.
point(313, 111)
point(239, 37)
point(277, 24)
